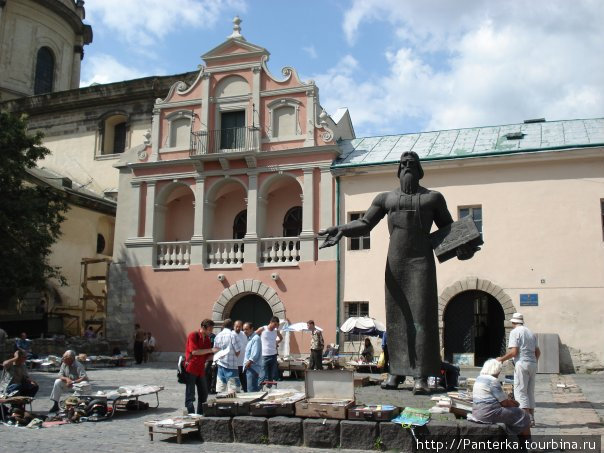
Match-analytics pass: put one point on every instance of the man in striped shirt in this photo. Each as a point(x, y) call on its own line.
point(228, 363)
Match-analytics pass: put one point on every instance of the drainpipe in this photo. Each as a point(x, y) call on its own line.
point(338, 289)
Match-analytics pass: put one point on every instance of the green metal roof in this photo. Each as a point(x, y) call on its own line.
point(473, 142)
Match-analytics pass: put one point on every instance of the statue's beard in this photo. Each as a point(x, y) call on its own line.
point(409, 183)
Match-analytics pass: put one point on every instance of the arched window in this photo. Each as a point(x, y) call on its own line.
point(292, 222)
point(45, 68)
point(240, 225)
point(119, 138)
point(114, 134)
point(100, 243)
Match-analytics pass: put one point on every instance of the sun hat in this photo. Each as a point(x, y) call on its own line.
point(517, 318)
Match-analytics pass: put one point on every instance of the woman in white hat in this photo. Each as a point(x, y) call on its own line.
point(522, 347)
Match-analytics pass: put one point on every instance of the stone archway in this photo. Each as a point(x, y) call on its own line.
point(475, 283)
point(241, 288)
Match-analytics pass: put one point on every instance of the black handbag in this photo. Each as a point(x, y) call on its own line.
point(181, 370)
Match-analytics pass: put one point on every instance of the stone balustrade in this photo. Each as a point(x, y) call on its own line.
point(224, 253)
point(173, 255)
point(280, 251)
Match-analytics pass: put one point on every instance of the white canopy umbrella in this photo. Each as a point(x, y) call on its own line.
point(363, 326)
point(299, 327)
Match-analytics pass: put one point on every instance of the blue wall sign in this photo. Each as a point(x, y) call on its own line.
point(529, 300)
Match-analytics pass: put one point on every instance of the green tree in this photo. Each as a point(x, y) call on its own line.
point(30, 213)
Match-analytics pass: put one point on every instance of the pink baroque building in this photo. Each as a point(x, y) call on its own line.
point(219, 209)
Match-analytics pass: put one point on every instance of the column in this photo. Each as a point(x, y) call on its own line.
point(155, 138)
point(150, 210)
point(205, 101)
point(310, 118)
point(251, 236)
point(307, 236)
point(198, 227)
point(256, 107)
point(78, 54)
point(326, 209)
point(140, 248)
point(136, 209)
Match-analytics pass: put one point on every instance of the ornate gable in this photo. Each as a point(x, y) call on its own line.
point(235, 47)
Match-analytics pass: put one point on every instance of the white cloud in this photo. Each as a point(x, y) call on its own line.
point(144, 22)
point(504, 62)
point(106, 69)
point(311, 51)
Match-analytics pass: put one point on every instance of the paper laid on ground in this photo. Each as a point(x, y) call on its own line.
point(220, 354)
point(177, 422)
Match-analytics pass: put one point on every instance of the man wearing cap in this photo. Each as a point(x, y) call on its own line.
point(411, 294)
point(522, 347)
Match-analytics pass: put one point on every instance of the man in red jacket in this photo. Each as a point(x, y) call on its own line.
point(199, 349)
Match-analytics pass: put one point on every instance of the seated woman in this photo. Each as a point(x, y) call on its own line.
point(492, 405)
point(330, 351)
point(367, 351)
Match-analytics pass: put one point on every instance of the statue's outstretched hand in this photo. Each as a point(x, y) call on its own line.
point(333, 235)
point(466, 251)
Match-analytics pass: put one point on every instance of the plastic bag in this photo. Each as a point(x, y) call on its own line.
point(382, 360)
point(413, 417)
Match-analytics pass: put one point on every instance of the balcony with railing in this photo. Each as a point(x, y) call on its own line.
point(173, 255)
point(236, 139)
point(283, 251)
point(224, 253)
point(231, 253)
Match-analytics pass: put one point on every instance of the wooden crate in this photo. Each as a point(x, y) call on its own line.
point(176, 428)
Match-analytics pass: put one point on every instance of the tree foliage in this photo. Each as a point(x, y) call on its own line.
point(30, 213)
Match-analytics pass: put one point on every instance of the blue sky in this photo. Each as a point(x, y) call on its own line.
point(398, 65)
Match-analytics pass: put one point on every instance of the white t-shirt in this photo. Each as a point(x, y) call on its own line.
point(487, 390)
point(526, 342)
point(269, 341)
point(242, 338)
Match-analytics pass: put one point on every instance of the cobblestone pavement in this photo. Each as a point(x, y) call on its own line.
point(560, 410)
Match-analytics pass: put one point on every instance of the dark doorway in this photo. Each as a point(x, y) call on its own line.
point(240, 225)
point(292, 222)
point(473, 322)
point(252, 308)
point(232, 130)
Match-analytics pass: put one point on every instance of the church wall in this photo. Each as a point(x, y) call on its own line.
point(27, 27)
point(78, 240)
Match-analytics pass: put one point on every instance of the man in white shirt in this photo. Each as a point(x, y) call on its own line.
point(242, 338)
point(71, 372)
point(148, 346)
point(522, 347)
point(228, 359)
point(270, 337)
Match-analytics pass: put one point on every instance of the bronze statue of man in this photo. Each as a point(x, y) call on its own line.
point(411, 294)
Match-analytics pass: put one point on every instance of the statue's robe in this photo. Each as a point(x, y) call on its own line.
point(411, 293)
